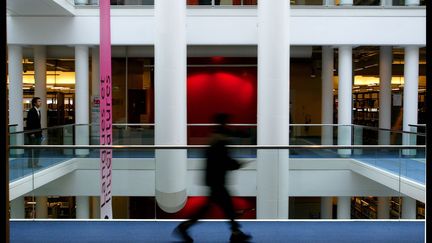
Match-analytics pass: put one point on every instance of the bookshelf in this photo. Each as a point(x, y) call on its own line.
point(364, 208)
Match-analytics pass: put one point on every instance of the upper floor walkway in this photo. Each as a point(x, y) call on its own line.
point(62, 23)
point(316, 168)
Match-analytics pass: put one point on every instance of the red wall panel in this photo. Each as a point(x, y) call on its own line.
point(230, 90)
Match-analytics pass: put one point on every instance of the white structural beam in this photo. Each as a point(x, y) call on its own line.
point(308, 26)
point(410, 94)
point(273, 109)
point(327, 95)
point(40, 81)
point(82, 97)
point(345, 98)
point(15, 95)
point(409, 208)
point(344, 208)
point(385, 69)
point(42, 207)
point(170, 103)
point(15, 71)
point(82, 207)
point(326, 207)
point(383, 208)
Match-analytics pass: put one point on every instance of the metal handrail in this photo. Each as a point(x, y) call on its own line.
point(231, 124)
point(388, 130)
point(417, 125)
point(206, 146)
point(47, 128)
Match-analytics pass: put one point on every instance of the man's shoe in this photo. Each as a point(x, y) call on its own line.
point(239, 236)
point(181, 232)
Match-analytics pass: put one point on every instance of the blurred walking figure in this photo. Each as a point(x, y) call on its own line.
point(218, 163)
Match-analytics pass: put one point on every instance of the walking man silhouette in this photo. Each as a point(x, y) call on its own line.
point(218, 163)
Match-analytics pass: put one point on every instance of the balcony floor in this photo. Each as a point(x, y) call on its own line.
point(218, 231)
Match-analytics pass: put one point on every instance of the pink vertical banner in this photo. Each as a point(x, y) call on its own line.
point(105, 110)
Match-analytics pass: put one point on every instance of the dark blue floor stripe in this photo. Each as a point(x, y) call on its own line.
point(160, 231)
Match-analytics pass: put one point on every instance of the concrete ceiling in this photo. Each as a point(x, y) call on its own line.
point(40, 7)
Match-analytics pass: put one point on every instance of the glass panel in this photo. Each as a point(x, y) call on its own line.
point(367, 2)
point(311, 134)
point(306, 2)
point(13, 128)
point(240, 134)
point(252, 2)
point(222, 2)
point(199, 2)
point(132, 2)
point(23, 162)
point(133, 134)
point(236, 2)
point(67, 180)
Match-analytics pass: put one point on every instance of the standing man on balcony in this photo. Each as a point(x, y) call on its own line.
point(35, 137)
point(208, 2)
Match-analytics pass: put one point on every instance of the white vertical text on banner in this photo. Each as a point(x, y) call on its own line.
point(105, 110)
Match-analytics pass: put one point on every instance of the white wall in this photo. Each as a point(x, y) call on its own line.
point(366, 26)
point(135, 177)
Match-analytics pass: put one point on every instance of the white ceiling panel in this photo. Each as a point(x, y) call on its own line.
point(40, 7)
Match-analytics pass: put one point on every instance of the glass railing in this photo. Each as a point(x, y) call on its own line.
point(199, 134)
point(13, 128)
point(215, 3)
point(240, 134)
point(139, 171)
point(222, 2)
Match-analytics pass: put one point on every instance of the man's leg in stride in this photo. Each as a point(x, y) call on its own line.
point(223, 199)
point(182, 229)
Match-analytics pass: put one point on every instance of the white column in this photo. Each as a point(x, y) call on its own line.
point(385, 66)
point(346, 2)
point(40, 81)
point(386, 3)
point(273, 109)
point(95, 82)
point(95, 205)
point(16, 108)
point(328, 2)
point(17, 208)
point(410, 95)
point(327, 95)
point(41, 207)
point(409, 208)
point(344, 208)
point(383, 208)
point(326, 207)
point(345, 98)
point(81, 98)
point(170, 103)
point(81, 2)
point(82, 207)
point(412, 2)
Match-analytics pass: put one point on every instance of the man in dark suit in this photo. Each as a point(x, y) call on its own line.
point(208, 2)
point(218, 163)
point(35, 136)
